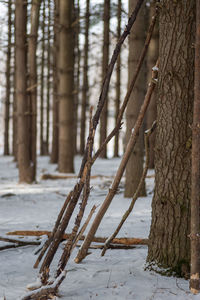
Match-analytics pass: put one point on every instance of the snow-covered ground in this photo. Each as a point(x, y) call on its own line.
point(119, 275)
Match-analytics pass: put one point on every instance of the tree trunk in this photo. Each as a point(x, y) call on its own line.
point(134, 167)
point(23, 113)
point(106, 41)
point(195, 186)
point(66, 87)
point(118, 79)
point(32, 64)
point(54, 152)
point(8, 85)
point(169, 243)
point(42, 152)
point(14, 124)
point(152, 56)
point(85, 101)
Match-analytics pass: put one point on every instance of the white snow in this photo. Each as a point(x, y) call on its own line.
point(119, 275)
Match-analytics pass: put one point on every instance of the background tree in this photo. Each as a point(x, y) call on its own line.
point(136, 42)
point(66, 87)
point(169, 245)
point(105, 60)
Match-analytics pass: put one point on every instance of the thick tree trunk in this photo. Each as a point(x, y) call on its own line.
point(32, 64)
point(106, 41)
point(23, 113)
point(169, 243)
point(8, 85)
point(55, 134)
point(152, 56)
point(195, 176)
point(66, 87)
point(118, 79)
point(85, 101)
point(134, 167)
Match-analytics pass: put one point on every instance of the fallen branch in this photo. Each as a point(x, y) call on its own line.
point(24, 243)
point(121, 241)
point(60, 176)
point(112, 191)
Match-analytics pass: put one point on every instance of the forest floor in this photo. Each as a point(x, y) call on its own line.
point(119, 275)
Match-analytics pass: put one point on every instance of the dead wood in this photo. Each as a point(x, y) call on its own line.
point(137, 192)
point(16, 241)
point(48, 176)
point(112, 191)
point(121, 241)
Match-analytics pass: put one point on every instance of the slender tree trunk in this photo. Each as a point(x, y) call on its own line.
point(77, 76)
point(195, 187)
point(134, 167)
point(14, 142)
point(54, 152)
point(85, 99)
point(8, 85)
point(23, 113)
point(32, 64)
point(48, 77)
point(169, 243)
point(153, 53)
point(106, 41)
point(42, 83)
point(66, 87)
point(118, 80)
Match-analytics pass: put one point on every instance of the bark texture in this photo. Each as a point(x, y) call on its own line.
point(134, 167)
point(105, 60)
point(66, 87)
point(169, 243)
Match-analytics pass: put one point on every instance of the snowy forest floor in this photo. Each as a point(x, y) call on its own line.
point(119, 275)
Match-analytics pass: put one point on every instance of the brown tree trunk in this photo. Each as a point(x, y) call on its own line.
point(23, 113)
point(106, 41)
point(55, 134)
point(118, 79)
point(32, 64)
point(134, 167)
point(14, 124)
point(169, 243)
point(8, 85)
point(195, 186)
point(85, 99)
point(42, 152)
point(153, 54)
point(66, 87)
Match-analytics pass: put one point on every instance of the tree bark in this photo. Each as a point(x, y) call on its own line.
point(134, 167)
point(32, 64)
point(118, 79)
point(85, 100)
point(23, 113)
point(55, 133)
point(42, 152)
point(66, 87)
point(105, 60)
point(195, 186)
point(8, 84)
point(169, 243)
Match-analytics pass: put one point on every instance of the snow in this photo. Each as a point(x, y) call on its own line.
point(119, 275)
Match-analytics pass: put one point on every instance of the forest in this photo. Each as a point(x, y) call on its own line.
point(100, 149)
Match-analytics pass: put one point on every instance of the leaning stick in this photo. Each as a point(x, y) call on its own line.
point(136, 194)
point(112, 191)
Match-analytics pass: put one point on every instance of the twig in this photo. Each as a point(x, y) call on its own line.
point(136, 194)
point(24, 243)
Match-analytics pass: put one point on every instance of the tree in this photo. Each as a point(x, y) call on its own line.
point(8, 83)
point(24, 162)
point(105, 59)
point(169, 244)
point(85, 79)
point(134, 167)
point(66, 87)
point(55, 134)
